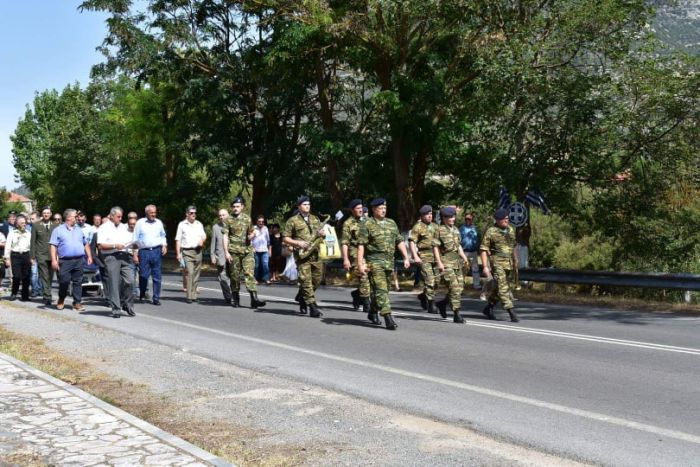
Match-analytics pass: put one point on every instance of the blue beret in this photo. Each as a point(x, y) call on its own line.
point(448, 211)
point(353, 203)
point(426, 209)
point(501, 213)
point(238, 199)
point(377, 202)
point(303, 199)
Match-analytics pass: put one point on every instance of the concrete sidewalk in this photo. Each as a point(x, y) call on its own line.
point(54, 423)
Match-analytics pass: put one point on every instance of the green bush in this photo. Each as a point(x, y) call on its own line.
point(589, 253)
point(548, 233)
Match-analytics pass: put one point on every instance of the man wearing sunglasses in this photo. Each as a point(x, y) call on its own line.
point(189, 241)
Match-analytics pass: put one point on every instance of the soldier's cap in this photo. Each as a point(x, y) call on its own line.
point(354, 202)
point(425, 209)
point(501, 213)
point(448, 211)
point(303, 199)
point(377, 202)
point(238, 200)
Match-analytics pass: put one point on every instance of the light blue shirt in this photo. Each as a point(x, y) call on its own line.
point(70, 242)
point(149, 234)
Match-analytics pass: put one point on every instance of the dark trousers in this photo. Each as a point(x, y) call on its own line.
point(45, 276)
point(21, 273)
point(70, 273)
point(120, 277)
point(150, 266)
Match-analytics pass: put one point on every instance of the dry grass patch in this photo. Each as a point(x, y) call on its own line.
point(240, 445)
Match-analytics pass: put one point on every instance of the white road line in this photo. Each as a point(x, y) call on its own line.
point(527, 330)
point(599, 417)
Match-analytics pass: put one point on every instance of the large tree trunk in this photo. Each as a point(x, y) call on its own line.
point(402, 181)
point(326, 114)
point(257, 205)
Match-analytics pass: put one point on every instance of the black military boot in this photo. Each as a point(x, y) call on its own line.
point(488, 312)
point(314, 311)
point(513, 315)
point(423, 300)
point(254, 302)
point(442, 306)
point(298, 297)
point(371, 314)
point(431, 307)
point(457, 317)
point(356, 301)
point(302, 306)
point(235, 299)
point(390, 323)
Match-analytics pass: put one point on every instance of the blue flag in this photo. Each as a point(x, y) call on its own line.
point(536, 198)
point(503, 198)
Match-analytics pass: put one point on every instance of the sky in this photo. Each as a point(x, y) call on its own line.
point(44, 44)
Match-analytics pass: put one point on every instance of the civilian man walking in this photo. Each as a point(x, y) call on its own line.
point(151, 246)
point(40, 251)
point(68, 247)
point(113, 239)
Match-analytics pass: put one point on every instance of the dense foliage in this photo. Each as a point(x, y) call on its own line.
point(415, 100)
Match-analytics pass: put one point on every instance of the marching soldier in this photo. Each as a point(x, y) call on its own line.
point(238, 232)
point(499, 247)
point(421, 241)
point(351, 232)
point(303, 231)
point(450, 258)
point(379, 238)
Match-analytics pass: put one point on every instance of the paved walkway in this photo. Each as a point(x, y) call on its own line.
point(61, 425)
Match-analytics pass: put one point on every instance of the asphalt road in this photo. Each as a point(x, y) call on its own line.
point(603, 386)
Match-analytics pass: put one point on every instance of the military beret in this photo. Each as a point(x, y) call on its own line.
point(353, 203)
point(303, 199)
point(448, 211)
point(426, 209)
point(377, 202)
point(238, 200)
point(501, 213)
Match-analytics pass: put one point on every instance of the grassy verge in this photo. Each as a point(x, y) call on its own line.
point(233, 443)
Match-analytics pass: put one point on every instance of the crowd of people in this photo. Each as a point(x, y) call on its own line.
point(128, 256)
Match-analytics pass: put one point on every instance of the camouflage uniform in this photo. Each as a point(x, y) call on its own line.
point(380, 239)
point(309, 269)
point(449, 241)
point(499, 244)
point(423, 235)
point(351, 233)
point(237, 229)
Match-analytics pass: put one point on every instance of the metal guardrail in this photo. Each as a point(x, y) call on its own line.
point(649, 280)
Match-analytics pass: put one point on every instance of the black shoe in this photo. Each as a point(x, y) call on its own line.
point(457, 317)
point(12, 298)
point(129, 310)
point(188, 301)
point(235, 299)
point(423, 300)
point(442, 306)
point(356, 301)
point(390, 323)
point(488, 312)
point(156, 302)
point(142, 299)
point(314, 312)
point(254, 302)
point(513, 316)
point(47, 302)
point(227, 300)
point(431, 307)
point(302, 306)
point(116, 314)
